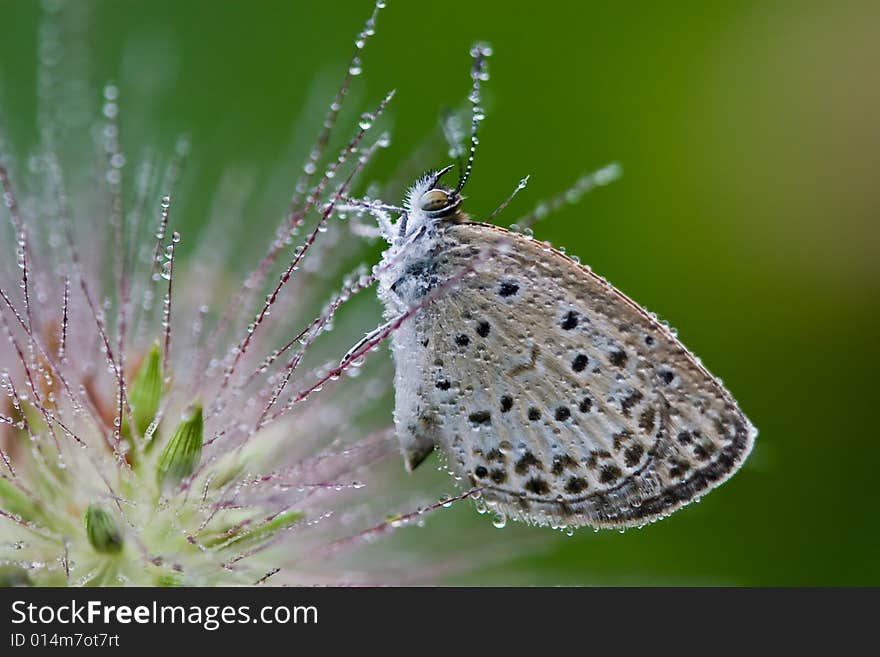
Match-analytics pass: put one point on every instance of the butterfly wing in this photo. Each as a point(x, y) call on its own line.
point(565, 400)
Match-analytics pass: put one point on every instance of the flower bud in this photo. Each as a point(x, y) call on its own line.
point(145, 392)
point(103, 531)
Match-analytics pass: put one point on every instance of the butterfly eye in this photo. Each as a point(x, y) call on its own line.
point(434, 200)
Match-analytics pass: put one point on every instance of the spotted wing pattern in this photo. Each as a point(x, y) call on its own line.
point(565, 400)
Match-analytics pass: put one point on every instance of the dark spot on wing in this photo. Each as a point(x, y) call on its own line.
point(628, 402)
point(570, 320)
point(537, 486)
point(667, 376)
point(576, 485)
point(617, 358)
point(506, 403)
point(496, 454)
point(561, 463)
point(462, 340)
point(594, 457)
point(508, 288)
point(562, 413)
point(443, 385)
point(609, 473)
point(579, 364)
point(632, 455)
point(678, 468)
point(646, 419)
point(622, 437)
point(527, 461)
point(483, 328)
point(498, 475)
point(585, 405)
point(480, 417)
point(480, 471)
point(685, 437)
point(704, 451)
point(534, 414)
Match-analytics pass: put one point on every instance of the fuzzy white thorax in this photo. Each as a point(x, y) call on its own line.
point(411, 244)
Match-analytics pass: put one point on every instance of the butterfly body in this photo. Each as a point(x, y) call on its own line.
point(560, 398)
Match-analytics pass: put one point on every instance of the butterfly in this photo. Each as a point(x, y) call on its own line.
point(562, 400)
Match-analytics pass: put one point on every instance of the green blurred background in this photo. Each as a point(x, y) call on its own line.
point(747, 215)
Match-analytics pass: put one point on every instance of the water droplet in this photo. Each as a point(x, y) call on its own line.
point(500, 520)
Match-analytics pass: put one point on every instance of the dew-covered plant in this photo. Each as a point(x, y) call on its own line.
point(164, 420)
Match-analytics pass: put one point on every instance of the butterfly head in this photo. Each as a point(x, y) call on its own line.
point(428, 203)
point(429, 198)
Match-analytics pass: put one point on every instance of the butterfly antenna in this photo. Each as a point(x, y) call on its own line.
point(439, 174)
point(521, 186)
point(479, 73)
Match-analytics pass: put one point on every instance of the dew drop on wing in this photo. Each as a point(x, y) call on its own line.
point(499, 521)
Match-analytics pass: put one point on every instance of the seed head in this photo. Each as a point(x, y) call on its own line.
point(110, 473)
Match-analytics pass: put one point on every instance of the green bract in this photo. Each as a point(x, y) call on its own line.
point(145, 393)
point(183, 452)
